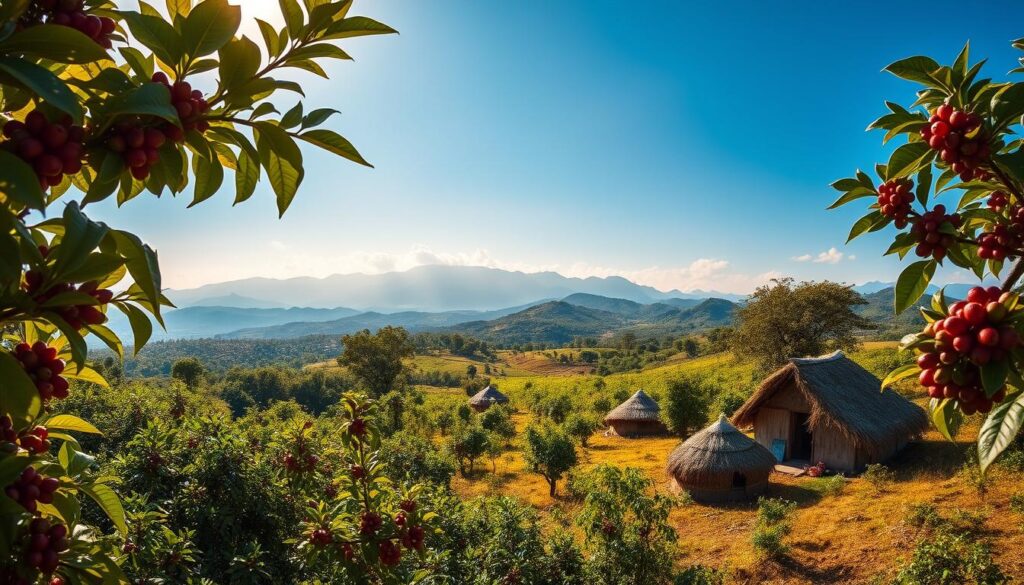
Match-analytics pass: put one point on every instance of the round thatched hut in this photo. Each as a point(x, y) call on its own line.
point(638, 416)
point(483, 399)
point(721, 464)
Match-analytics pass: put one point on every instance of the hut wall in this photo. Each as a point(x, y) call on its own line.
point(832, 447)
point(723, 491)
point(789, 398)
point(480, 407)
point(771, 424)
point(864, 458)
point(635, 428)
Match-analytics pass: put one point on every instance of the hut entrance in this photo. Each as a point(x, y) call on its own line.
point(800, 445)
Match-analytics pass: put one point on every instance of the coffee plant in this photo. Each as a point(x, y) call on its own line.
point(99, 102)
point(960, 143)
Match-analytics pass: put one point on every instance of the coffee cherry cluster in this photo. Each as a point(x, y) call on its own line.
point(53, 149)
point(31, 487)
point(301, 459)
point(76, 316)
point(1004, 239)
point(894, 199)
point(412, 538)
point(390, 554)
point(369, 523)
point(190, 105)
point(927, 231)
point(973, 335)
point(137, 145)
point(42, 365)
point(998, 201)
point(321, 537)
point(70, 13)
point(43, 545)
point(960, 140)
point(37, 440)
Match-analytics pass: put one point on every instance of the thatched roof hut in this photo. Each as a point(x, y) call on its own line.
point(483, 399)
point(830, 409)
point(721, 464)
point(638, 415)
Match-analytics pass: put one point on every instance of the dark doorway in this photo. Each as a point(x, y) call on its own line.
point(800, 446)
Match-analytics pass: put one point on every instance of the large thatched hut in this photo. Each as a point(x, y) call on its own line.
point(483, 399)
point(639, 415)
point(721, 464)
point(832, 410)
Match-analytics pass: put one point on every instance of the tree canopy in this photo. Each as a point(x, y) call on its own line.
point(376, 359)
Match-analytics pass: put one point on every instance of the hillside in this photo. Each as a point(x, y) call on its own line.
point(553, 322)
point(209, 321)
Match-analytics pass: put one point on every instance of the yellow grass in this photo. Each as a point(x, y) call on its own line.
point(848, 538)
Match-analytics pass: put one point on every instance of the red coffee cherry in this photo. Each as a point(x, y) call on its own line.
point(960, 139)
point(52, 149)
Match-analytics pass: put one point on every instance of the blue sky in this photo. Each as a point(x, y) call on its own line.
point(680, 144)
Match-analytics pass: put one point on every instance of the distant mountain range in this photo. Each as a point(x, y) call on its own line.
point(426, 288)
point(497, 305)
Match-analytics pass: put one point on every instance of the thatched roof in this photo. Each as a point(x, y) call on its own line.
point(843, 396)
point(488, 395)
point(720, 449)
point(638, 407)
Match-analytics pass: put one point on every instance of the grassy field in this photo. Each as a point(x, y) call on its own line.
point(853, 537)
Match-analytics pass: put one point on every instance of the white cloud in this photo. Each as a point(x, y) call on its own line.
point(830, 256)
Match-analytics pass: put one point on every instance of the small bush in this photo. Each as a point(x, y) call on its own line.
point(923, 515)
point(1017, 502)
point(879, 476)
point(699, 575)
point(772, 526)
point(830, 486)
point(947, 558)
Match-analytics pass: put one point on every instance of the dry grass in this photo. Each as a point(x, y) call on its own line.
point(851, 537)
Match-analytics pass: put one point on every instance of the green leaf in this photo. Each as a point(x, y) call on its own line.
point(239, 62)
point(993, 376)
point(18, 182)
point(357, 26)
point(292, 117)
point(142, 264)
point(141, 65)
point(864, 224)
point(900, 373)
point(270, 38)
point(317, 117)
point(209, 177)
point(1000, 429)
point(246, 178)
point(105, 182)
point(917, 69)
point(18, 395)
point(924, 184)
point(293, 16)
point(156, 34)
point(209, 26)
point(142, 327)
point(149, 99)
point(85, 374)
point(282, 160)
point(844, 185)
point(906, 159)
point(81, 237)
point(946, 417)
point(70, 422)
point(176, 7)
point(109, 338)
point(853, 195)
point(962, 60)
point(912, 283)
point(334, 142)
point(43, 83)
point(61, 44)
point(108, 500)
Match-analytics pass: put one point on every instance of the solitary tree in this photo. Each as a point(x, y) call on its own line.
point(580, 427)
point(376, 359)
point(189, 370)
point(468, 443)
point(471, 371)
point(785, 320)
point(962, 133)
point(549, 452)
point(686, 406)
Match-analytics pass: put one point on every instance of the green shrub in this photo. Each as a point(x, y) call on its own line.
point(699, 575)
point(829, 486)
point(773, 525)
point(950, 558)
point(879, 476)
point(923, 515)
point(1017, 502)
